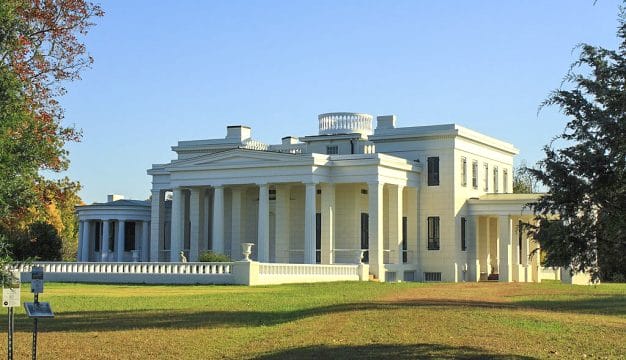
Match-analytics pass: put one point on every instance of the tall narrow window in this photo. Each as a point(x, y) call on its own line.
point(129, 236)
point(475, 174)
point(463, 171)
point(463, 243)
point(505, 181)
point(405, 256)
point(495, 179)
point(318, 238)
point(433, 171)
point(486, 167)
point(365, 236)
point(98, 236)
point(433, 233)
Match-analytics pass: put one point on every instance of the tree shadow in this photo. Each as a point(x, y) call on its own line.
point(387, 351)
point(191, 318)
point(85, 321)
point(598, 305)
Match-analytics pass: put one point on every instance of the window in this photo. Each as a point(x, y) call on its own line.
point(318, 238)
point(505, 181)
point(98, 237)
point(475, 174)
point(404, 239)
point(463, 171)
point(365, 236)
point(486, 167)
point(463, 243)
point(129, 236)
point(432, 276)
point(433, 171)
point(332, 149)
point(495, 179)
point(433, 233)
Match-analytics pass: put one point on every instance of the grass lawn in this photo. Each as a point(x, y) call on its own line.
point(334, 320)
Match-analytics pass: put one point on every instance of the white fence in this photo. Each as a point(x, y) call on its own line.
point(240, 272)
point(299, 273)
point(148, 273)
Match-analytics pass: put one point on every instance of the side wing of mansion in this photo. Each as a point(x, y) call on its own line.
point(423, 203)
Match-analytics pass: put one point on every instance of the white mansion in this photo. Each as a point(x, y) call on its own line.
point(423, 203)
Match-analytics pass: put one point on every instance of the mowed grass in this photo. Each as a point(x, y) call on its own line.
point(333, 320)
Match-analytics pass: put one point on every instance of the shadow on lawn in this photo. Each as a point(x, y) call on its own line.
point(193, 318)
point(387, 351)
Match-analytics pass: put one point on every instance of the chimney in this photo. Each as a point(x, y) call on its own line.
point(290, 140)
point(114, 197)
point(386, 122)
point(238, 132)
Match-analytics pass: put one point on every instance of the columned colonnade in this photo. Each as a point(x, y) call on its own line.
point(269, 214)
point(502, 248)
point(96, 237)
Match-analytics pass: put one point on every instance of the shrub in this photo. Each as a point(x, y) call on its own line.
point(210, 256)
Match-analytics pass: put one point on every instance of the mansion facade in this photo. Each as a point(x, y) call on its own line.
point(422, 203)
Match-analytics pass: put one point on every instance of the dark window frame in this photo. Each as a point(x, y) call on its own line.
point(463, 234)
point(434, 232)
point(433, 171)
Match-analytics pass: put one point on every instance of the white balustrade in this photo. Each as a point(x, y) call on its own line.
point(338, 123)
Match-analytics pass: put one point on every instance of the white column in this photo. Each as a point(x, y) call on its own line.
point(178, 213)
point(81, 241)
point(157, 211)
point(412, 226)
point(328, 223)
point(395, 223)
point(104, 246)
point(196, 217)
point(309, 224)
point(218, 219)
point(375, 209)
point(483, 243)
point(282, 247)
point(86, 240)
point(263, 233)
point(235, 230)
point(145, 241)
point(505, 273)
point(472, 229)
point(119, 247)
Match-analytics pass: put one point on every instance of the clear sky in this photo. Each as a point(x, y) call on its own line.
point(184, 70)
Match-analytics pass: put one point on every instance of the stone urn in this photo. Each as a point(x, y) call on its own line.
point(361, 256)
point(246, 250)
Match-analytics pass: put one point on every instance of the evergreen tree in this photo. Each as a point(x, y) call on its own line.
point(586, 174)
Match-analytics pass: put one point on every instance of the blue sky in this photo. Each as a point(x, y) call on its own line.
point(184, 70)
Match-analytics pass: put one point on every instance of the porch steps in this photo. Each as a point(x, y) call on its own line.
point(373, 277)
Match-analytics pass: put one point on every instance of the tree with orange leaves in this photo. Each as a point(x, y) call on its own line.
point(40, 49)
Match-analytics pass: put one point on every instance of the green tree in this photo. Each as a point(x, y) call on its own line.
point(523, 180)
point(586, 174)
point(40, 49)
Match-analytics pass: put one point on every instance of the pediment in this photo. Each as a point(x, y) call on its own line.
point(238, 157)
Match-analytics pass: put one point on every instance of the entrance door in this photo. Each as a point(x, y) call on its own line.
point(365, 236)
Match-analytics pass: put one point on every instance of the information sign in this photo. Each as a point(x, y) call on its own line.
point(38, 310)
point(36, 283)
point(11, 295)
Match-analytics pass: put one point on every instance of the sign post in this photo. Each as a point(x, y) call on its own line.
point(36, 309)
point(11, 299)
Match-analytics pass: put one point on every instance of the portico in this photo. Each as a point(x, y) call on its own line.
point(503, 249)
point(117, 230)
point(298, 208)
